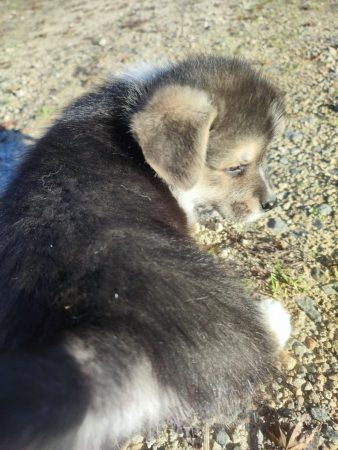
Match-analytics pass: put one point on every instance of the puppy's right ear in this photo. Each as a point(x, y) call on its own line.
point(173, 131)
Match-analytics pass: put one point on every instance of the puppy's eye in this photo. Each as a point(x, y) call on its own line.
point(236, 170)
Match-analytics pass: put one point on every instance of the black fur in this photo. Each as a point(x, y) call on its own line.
point(95, 250)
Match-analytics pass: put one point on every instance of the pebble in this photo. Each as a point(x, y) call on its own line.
point(328, 395)
point(331, 435)
point(324, 209)
point(289, 363)
point(294, 136)
point(312, 378)
point(298, 382)
point(219, 227)
point(308, 387)
point(278, 225)
point(299, 349)
point(317, 224)
point(302, 371)
point(315, 398)
point(308, 306)
point(286, 411)
point(310, 343)
point(319, 414)
point(222, 437)
point(300, 232)
point(330, 289)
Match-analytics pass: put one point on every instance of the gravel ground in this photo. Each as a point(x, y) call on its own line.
point(52, 51)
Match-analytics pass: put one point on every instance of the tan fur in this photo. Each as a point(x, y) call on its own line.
point(178, 138)
point(174, 118)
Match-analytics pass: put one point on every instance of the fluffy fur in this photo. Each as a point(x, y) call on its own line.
point(112, 320)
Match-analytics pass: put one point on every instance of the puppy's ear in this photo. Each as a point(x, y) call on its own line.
point(173, 132)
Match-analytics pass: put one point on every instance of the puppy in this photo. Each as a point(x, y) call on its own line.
point(112, 321)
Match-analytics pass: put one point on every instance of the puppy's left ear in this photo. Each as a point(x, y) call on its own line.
point(173, 130)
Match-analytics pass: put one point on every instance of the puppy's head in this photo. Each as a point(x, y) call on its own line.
point(205, 129)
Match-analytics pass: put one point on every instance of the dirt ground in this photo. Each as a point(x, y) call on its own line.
point(53, 50)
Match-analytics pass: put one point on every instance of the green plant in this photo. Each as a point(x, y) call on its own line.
point(282, 282)
point(44, 112)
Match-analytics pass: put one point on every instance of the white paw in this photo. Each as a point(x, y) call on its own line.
point(277, 319)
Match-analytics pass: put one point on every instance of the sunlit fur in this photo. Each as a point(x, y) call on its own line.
point(112, 320)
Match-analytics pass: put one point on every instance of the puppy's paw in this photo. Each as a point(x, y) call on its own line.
point(277, 319)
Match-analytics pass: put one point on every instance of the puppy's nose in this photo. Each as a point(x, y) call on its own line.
point(269, 204)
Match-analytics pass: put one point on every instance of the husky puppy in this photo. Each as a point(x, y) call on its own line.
point(112, 320)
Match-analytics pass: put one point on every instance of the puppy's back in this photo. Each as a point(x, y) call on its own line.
point(111, 319)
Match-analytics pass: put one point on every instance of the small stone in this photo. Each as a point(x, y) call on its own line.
point(319, 414)
point(308, 306)
point(289, 363)
point(302, 371)
point(315, 398)
point(310, 343)
point(294, 136)
point(324, 209)
point(222, 437)
point(290, 405)
point(300, 232)
point(330, 289)
point(298, 382)
point(312, 368)
point(278, 225)
point(312, 378)
point(328, 395)
point(308, 387)
point(317, 224)
point(299, 349)
point(305, 5)
point(300, 401)
point(102, 42)
point(219, 227)
point(321, 380)
point(285, 412)
point(319, 273)
point(333, 377)
point(331, 435)
point(334, 107)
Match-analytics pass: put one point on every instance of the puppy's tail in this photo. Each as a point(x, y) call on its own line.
point(69, 397)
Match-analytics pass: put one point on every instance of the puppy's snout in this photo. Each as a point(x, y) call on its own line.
point(269, 204)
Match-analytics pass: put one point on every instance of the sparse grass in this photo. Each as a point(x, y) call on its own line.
point(289, 67)
point(282, 282)
point(314, 211)
point(14, 5)
point(45, 112)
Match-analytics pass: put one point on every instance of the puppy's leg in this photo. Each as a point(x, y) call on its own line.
point(43, 399)
point(277, 320)
point(125, 394)
point(89, 391)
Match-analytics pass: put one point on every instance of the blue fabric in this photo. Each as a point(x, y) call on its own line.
point(13, 146)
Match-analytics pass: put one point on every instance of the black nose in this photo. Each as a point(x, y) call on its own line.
point(271, 203)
